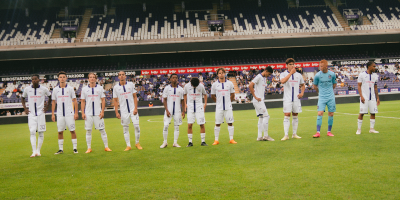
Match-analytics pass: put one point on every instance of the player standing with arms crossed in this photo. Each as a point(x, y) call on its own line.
point(64, 95)
point(324, 83)
point(173, 100)
point(291, 81)
point(92, 96)
point(36, 95)
point(223, 93)
point(369, 98)
point(257, 89)
point(124, 94)
point(193, 95)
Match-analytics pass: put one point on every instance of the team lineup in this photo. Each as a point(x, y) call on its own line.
point(188, 102)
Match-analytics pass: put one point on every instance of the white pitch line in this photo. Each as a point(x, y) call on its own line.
point(357, 114)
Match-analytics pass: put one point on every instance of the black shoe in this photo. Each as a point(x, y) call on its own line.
point(190, 144)
point(59, 152)
point(204, 144)
point(75, 151)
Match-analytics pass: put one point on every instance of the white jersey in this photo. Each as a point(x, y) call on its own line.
point(260, 83)
point(92, 97)
point(223, 92)
point(368, 85)
point(36, 98)
point(194, 96)
point(174, 97)
point(124, 93)
point(64, 97)
point(291, 87)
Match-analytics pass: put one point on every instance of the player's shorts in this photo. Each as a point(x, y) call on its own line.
point(98, 123)
point(37, 123)
point(64, 122)
point(125, 121)
point(196, 116)
point(220, 114)
point(261, 109)
point(331, 103)
point(177, 119)
point(369, 105)
point(292, 107)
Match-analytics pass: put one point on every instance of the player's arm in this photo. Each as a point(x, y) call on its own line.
point(251, 87)
point(116, 104)
point(47, 105)
point(303, 88)
point(315, 84)
point(83, 106)
point(214, 98)
point(232, 96)
point(53, 107)
point(185, 99)
point(316, 88)
point(286, 78)
point(76, 116)
point(378, 102)
point(135, 101)
point(360, 92)
point(23, 104)
point(205, 102)
point(166, 107)
point(334, 85)
point(183, 103)
point(103, 107)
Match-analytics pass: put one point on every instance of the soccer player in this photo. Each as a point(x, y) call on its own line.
point(91, 97)
point(257, 89)
point(369, 98)
point(193, 95)
point(124, 94)
point(36, 95)
point(223, 93)
point(291, 81)
point(173, 100)
point(324, 83)
point(64, 95)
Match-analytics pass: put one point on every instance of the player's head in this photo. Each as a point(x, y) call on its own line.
point(173, 78)
point(267, 71)
point(371, 66)
point(62, 77)
point(35, 79)
point(290, 63)
point(121, 76)
point(92, 77)
point(323, 64)
point(221, 72)
point(195, 81)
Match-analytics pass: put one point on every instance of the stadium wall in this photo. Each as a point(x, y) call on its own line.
point(270, 103)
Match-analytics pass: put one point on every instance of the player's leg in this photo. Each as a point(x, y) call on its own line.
point(331, 109)
point(41, 130)
point(265, 122)
point(88, 127)
point(167, 121)
point(177, 123)
point(321, 110)
point(32, 124)
point(295, 120)
point(190, 120)
point(201, 120)
point(99, 125)
point(125, 121)
point(61, 125)
point(287, 109)
point(373, 109)
point(70, 121)
point(219, 119)
point(260, 124)
point(135, 121)
point(228, 114)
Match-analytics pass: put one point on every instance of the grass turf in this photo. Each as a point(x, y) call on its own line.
point(347, 166)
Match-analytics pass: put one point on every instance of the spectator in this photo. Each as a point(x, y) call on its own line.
point(148, 96)
point(1, 100)
point(15, 90)
point(385, 86)
point(18, 112)
point(350, 88)
point(396, 80)
point(18, 96)
point(151, 104)
point(8, 113)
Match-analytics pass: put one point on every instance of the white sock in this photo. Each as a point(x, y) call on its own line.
point(231, 130)
point(203, 137)
point(137, 133)
point(260, 126)
point(40, 141)
point(371, 123)
point(266, 121)
point(190, 137)
point(176, 134)
point(89, 139)
point(104, 137)
point(216, 132)
point(165, 133)
point(286, 124)
point(127, 136)
point(359, 123)
point(295, 124)
point(74, 143)
point(33, 141)
point(61, 144)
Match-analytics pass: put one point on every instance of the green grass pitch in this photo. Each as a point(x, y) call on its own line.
point(347, 166)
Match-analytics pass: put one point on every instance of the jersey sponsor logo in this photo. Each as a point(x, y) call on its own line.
point(329, 76)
